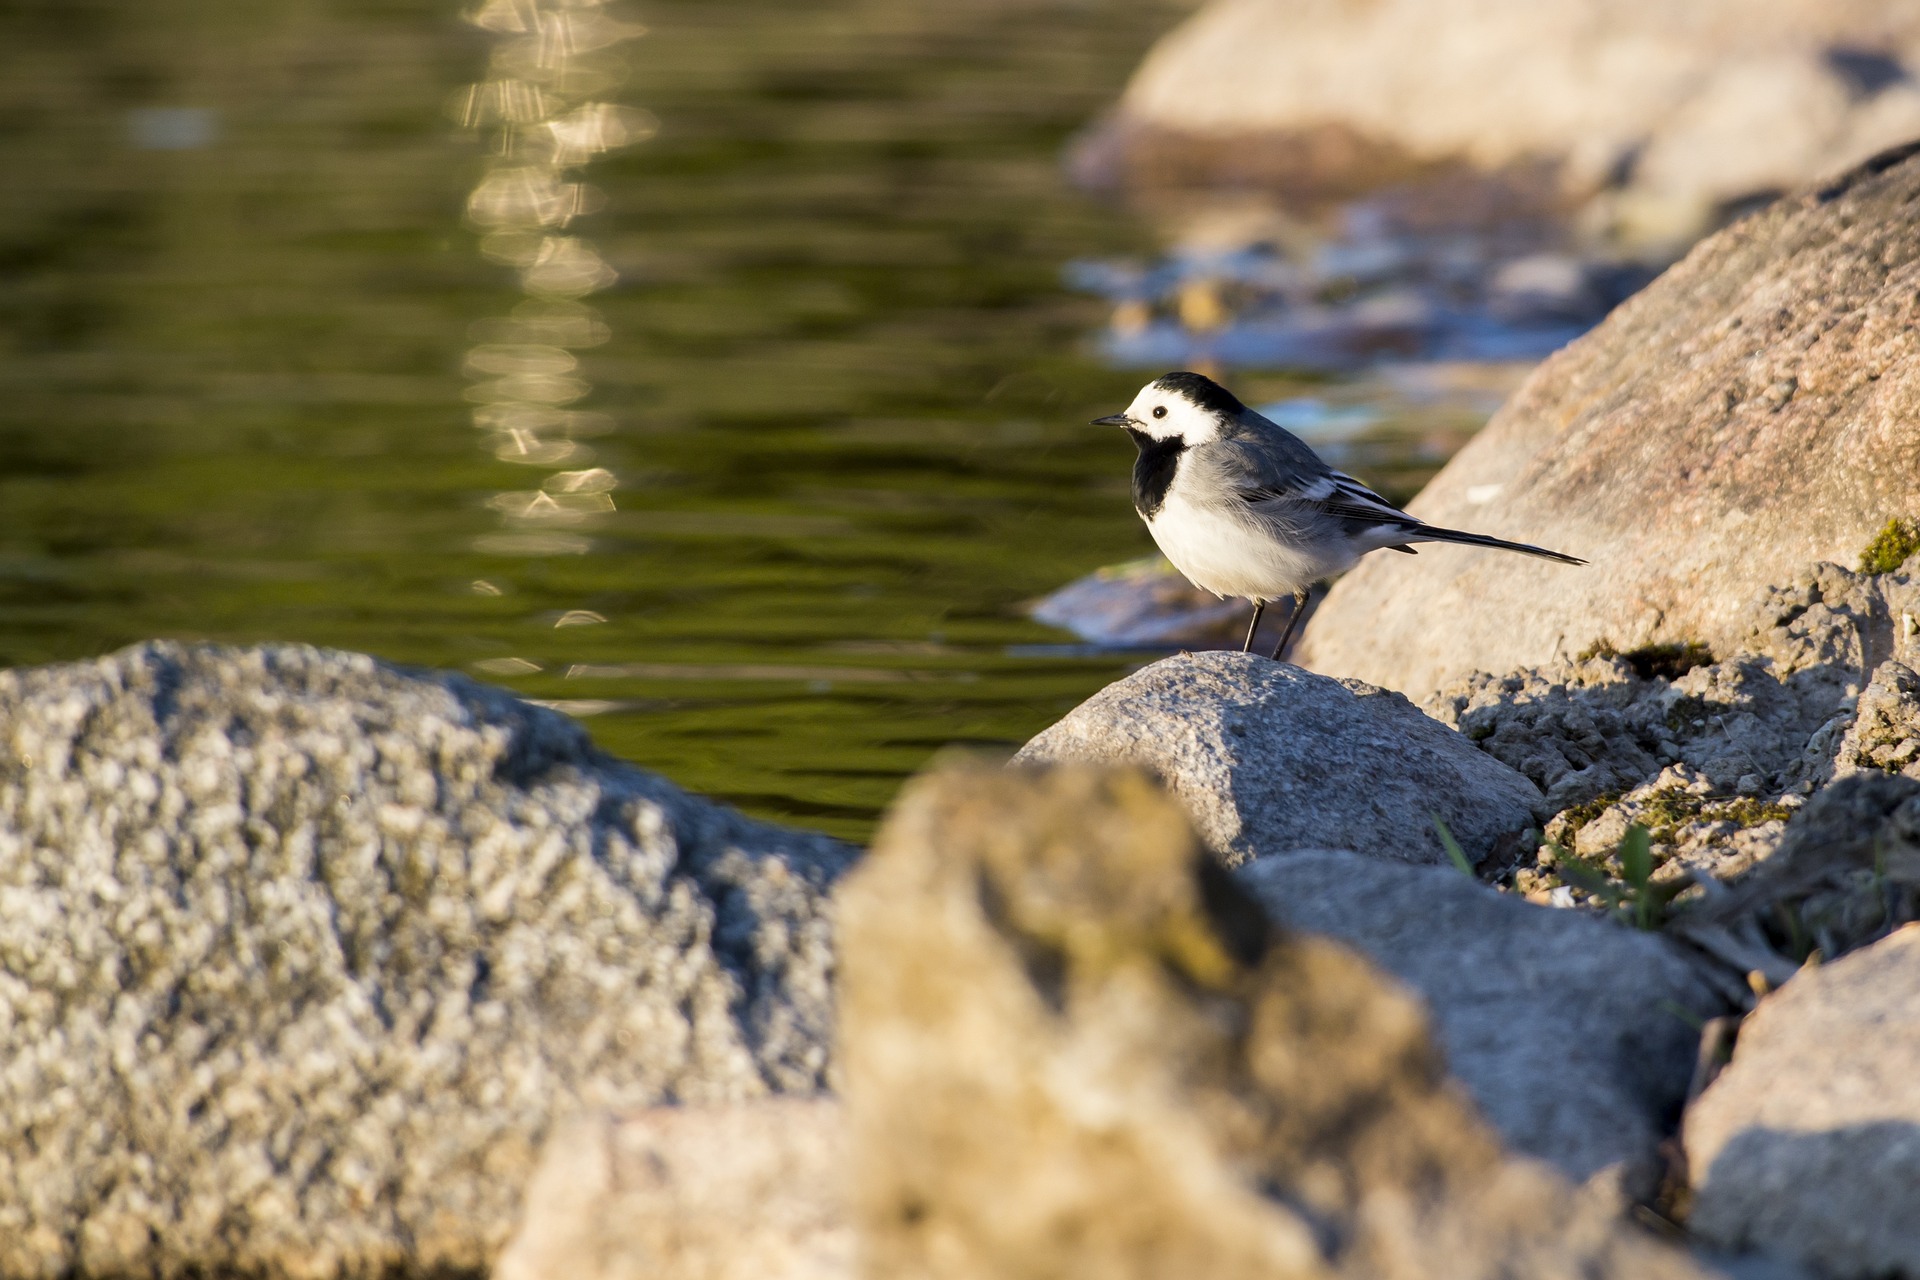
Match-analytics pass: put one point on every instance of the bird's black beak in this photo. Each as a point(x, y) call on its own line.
point(1113, 420)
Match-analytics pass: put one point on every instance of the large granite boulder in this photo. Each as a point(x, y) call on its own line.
point(1073, 1045)
point(1269, 758)
point(1575, 1035)
point(1680, 109)
point(301, 953)
point(1808, 1144)
point(1749, 413)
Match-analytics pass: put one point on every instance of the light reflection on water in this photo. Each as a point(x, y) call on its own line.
point(548, 56)
point(774, 446)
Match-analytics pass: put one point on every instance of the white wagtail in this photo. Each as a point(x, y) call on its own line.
point(1244, 508)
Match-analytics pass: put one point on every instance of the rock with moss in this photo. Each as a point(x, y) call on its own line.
point(1893, 546)
point(1711, 756)
point(1575, 1036)
point(1885, 733)
point(1270, 758)
point(1808, 1144)
point(1846, 873)
point(1746, 414)
point(1073, 1046)
point(301, 954)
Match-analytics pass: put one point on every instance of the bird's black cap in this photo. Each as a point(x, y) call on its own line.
point(1203, 391)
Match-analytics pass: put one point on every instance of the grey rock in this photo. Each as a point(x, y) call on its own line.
point(1270, 758)
point(1808, 1144)
point(1575, 1035)
point(301, 953)
point(742, 1191)
point(1073, 1046)
point(1676, 111)
point(1743, 416)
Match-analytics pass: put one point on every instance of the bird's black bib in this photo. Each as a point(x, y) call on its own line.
point(1153, 470)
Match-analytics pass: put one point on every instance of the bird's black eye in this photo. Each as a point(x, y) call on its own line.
point(1159, 411)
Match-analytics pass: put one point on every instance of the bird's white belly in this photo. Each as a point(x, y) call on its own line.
point(1229, 554)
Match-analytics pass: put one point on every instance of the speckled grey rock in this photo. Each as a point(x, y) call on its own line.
point(1269, 758)
point(1808, 1144)
point(1572, 1033)
point(1747, 414)
point(300, 953)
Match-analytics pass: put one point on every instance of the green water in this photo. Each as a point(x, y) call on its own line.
point(845, 387)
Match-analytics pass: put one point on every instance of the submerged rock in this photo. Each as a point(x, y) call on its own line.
point(1808, 1144)
point(1575, 1036)
point(1743, 416)
point(1270, 758)
point(1143, 604)
point(1072, 1046)
point(301, 953)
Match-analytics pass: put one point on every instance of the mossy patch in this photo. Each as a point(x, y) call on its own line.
point(1891, 546)
point(1750, 812)
point(1581, 814)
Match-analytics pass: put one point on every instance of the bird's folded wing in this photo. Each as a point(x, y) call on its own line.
point(1337, 494)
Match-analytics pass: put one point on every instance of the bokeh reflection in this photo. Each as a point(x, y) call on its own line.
point(548, 57)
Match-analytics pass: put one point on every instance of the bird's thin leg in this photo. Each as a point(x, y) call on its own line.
point(1259, 607)
point(1293, 619)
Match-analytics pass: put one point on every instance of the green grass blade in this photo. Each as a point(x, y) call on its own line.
point(1454, 852)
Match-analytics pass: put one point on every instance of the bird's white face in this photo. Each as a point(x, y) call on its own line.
point(1163, 413)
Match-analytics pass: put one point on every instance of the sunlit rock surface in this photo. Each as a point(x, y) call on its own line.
point(1809, 1143)
point(300, 954)
point(1073, 1046)
point(1674, 111)
point(1269, 758)
point(742, 1191)
point(1748, 414)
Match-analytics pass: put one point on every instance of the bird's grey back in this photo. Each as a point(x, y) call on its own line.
point(1257, 454)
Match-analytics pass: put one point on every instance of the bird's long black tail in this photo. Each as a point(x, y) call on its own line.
point(1433, 533)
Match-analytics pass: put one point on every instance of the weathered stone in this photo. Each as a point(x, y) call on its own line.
point(1575, 1035)
point(1808, 1144)
point(1072, 1046)
point(300, 953)
point(1885, 734)
point(1683, 110)
point(1847, 872)
point(1269, 758)
point(745, 1191)
point(1745, 415)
